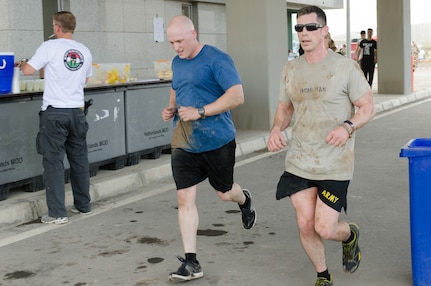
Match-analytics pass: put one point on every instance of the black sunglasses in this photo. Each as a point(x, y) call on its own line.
point(309, 27)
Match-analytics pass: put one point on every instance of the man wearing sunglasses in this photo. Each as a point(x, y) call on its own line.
point(321, 90)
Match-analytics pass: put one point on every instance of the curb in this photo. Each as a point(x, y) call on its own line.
point(396, 102)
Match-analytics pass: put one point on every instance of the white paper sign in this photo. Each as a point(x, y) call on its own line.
point(158, 24)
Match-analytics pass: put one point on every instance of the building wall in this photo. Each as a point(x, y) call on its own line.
point(114, 30)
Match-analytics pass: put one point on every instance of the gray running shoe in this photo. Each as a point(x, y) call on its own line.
point(187, 271)
point(54, 220)
point(76, 211)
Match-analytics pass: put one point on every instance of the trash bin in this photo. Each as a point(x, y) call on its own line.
point(419, 153)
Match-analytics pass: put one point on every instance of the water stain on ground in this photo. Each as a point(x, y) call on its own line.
point(218, 224)
point(155, 260)
point(223, 243)
point(146, 282)
point(211, 232)
point(20, 274)
point(112, 253)
point(141, 267)
point(152, 240)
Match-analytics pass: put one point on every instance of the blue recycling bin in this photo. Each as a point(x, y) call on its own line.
point(418, 151)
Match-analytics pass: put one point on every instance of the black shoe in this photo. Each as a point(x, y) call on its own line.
point(187, 271)
point(248, 213)
point(351, 251)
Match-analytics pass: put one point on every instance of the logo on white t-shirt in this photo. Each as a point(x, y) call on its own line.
point(73, 60)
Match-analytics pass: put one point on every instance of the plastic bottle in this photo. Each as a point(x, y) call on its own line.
point(15, 80)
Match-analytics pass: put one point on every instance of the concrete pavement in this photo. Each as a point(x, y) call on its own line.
point(22, 207)
point(132, 239)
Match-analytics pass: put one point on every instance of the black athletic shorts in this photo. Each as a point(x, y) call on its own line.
point(189, 169)
point(332, 193)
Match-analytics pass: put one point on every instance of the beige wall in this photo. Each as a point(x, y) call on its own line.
point(257, 41)
point(394, 47)
point(114, 30)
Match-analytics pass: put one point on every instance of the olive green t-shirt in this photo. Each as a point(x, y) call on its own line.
point(322, 95)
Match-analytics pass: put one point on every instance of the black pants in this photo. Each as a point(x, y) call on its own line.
point(63, 131)
point(368, 69)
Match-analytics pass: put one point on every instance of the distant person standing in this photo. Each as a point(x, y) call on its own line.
point(415, 55)
point(358, 52)
point(63, 127)
point(368, 47)
point(343, 50)
point(329, 43)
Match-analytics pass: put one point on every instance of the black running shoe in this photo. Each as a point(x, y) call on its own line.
point(187, 271)
point(321, 281)
point(351, 251)
point(248, 213)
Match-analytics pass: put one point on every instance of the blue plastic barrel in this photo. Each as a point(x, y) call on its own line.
point(419, 153)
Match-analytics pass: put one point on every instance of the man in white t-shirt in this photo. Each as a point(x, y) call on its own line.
point(63, 126)
point(320, 89)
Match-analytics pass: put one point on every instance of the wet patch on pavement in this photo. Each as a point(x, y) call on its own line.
point(211, 232)
point(146, 282)
point(155, 260)
point(113, 252)
point(218, 224)
point(152, 240)
point(20, 274)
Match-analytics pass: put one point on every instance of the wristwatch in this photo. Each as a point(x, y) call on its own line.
point(201, 112)
point(351, 124)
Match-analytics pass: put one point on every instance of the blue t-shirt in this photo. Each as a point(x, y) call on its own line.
point(198, 82)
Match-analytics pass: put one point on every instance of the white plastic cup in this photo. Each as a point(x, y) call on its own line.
point(29, 85)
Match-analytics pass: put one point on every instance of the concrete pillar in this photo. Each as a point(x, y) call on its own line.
point(257, 42)
point(394, 47)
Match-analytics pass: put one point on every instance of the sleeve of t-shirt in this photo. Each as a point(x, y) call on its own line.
point(226, 73)
point(40, 57)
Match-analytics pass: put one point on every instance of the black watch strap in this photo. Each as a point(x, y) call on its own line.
point(351, 124)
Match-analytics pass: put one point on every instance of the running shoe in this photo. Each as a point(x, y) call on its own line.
point(351, 251)
point(54, 220)
point(248, 213)
point(322, 281)
point(76, 211)
point(187, 271)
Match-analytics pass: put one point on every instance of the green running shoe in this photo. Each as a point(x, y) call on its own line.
point(322, 281)
point(351, 251)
